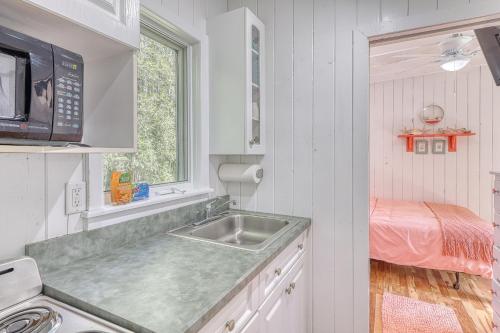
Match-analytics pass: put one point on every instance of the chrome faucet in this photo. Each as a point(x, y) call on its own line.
point(210, 209)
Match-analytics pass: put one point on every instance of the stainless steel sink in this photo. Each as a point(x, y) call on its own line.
point(250, 232)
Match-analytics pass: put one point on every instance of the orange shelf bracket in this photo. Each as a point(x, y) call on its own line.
point(452, 144)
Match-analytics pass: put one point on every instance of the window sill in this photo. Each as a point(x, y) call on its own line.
point(108, 214)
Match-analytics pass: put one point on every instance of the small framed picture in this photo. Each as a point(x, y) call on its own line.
point(438, 146)
point(421, 147)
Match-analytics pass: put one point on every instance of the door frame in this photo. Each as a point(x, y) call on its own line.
point(362, 38)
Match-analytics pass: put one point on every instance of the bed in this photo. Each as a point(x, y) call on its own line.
point(411, 233)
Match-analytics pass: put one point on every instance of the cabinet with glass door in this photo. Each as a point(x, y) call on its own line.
point(237, 54)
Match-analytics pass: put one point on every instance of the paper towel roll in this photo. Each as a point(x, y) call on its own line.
point(241, 173)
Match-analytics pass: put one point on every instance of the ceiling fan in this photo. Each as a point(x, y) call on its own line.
point(456, 52)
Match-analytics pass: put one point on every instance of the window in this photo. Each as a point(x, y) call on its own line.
point(162, 117)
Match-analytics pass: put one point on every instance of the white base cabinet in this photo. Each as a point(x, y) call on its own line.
point(271, 303)
point(285, 309)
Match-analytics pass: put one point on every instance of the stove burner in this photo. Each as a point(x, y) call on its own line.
point(40, 319)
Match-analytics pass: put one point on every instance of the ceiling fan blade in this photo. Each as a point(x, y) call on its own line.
point(417, 56)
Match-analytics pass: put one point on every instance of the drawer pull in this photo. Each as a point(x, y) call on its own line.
point(230, 325)
point(288, 290)
point(495, 225)
point(300, 246)
point(494, 293)
point(277, 271)
point(292, 285)
point(494, 260)
point(495, 191)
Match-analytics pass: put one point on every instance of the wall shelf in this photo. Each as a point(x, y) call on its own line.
point(452, 139)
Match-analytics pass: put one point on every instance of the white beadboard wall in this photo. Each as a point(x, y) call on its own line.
point(460, 178)
point(32, 196)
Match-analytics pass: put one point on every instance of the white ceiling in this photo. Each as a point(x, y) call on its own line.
point(414, 57)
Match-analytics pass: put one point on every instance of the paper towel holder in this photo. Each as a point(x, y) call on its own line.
point(242, 173)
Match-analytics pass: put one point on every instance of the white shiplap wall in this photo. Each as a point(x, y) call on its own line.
point(316, 162)
point(460, 178)
point(32, 199)
point(32, 192)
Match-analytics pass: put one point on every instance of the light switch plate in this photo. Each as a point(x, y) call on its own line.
point(76, 197)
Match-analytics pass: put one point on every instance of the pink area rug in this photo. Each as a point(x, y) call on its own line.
point(406, 315)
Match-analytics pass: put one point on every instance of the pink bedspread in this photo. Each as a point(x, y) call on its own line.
point(407, 233)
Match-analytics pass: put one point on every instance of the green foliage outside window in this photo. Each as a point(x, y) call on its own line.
point(156, 159)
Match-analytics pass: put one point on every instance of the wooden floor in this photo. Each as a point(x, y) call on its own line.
point(472, 303)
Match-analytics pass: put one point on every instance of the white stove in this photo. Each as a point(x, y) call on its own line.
point(23, 309)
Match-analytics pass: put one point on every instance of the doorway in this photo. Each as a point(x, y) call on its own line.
point(431, 149)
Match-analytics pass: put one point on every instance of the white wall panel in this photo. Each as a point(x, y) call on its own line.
point(407, 164)
point(397, 150)
point(171, 5)
point(387, 135)
point(486, 146)
point(450, 105)
point(462, 145)
point(417, 7)
point(302, 107)
point(323, 162)
point(186, 10)
point(391, 9)
point(32, 199)
point(22, 213)
point(283, 111)
point(215, 7)
point(455, 178)
point(439, 173)
point(368, 12)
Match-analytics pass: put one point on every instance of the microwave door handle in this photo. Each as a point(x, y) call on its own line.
point(27, 87)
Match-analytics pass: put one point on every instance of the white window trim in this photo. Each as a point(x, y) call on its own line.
point(197, 188)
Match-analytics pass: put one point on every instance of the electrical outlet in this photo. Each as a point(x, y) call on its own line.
point(75, 197)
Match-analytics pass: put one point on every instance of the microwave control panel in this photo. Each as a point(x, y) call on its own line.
point(68, 96)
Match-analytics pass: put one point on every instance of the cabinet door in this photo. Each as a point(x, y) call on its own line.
point(237, 313)
point(273, 313)
point(118, 19)
point(296, 302)
point(253, 326)
point(255, 113)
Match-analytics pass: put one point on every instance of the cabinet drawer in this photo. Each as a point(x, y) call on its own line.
point(277, 269)
point(496, 202)
point(496, 323)
point(496, 295)
point(497, 229)
point(237, 312)
point(497, 183)
point(496, 262)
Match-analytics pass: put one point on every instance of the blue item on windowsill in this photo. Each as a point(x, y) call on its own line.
point(141, 191)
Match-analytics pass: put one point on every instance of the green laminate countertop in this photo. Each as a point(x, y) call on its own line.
point(163, 283)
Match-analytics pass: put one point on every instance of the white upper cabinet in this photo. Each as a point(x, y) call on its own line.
point(237, 85)
point(106, 34)
point(117, 19)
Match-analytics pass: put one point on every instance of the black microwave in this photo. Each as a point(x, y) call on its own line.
point(41, 91)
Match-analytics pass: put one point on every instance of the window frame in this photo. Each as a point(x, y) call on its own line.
point(160, 35)
point(168, 195)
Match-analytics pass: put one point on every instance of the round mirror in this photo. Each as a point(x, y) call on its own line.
point(432, 114)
